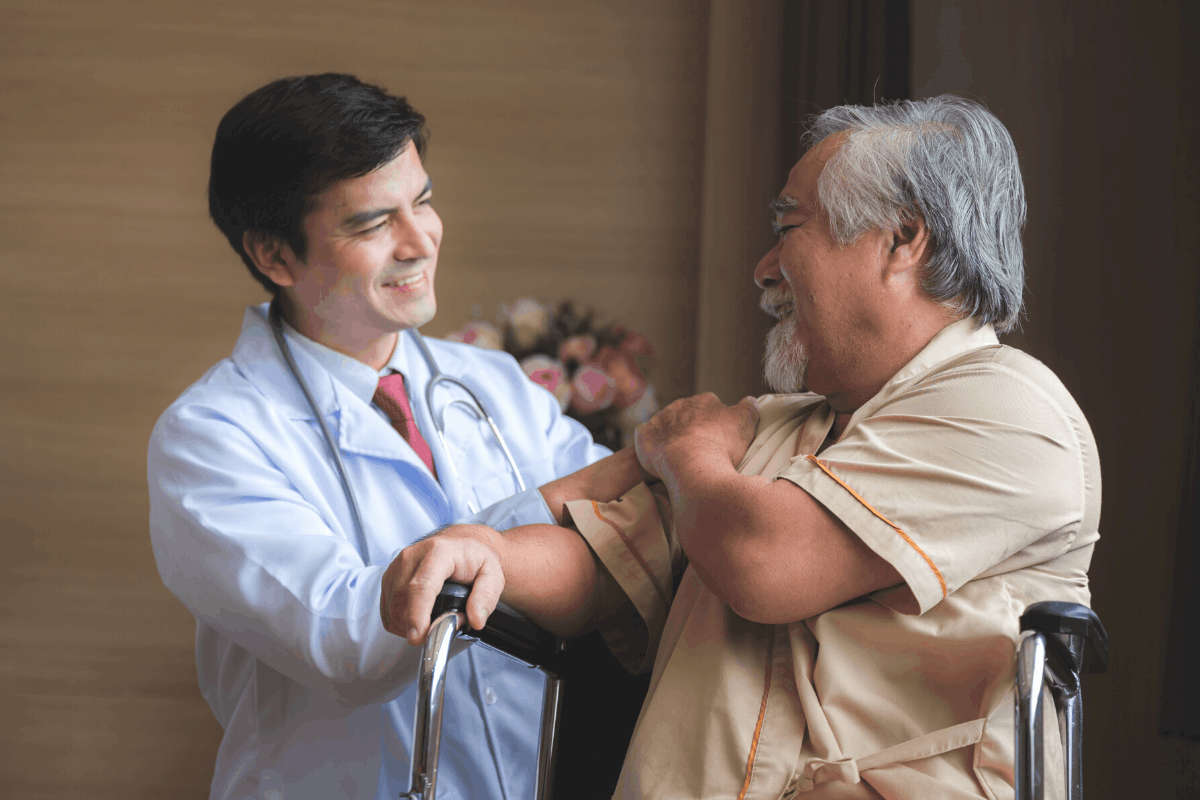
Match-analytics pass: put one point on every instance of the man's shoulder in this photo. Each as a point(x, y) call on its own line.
point(222, 392)
point(989, 394)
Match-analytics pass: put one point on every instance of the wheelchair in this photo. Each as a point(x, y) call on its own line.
point(1059, 642)
point(511, 633)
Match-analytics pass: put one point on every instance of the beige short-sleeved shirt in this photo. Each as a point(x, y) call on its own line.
point(975, 475)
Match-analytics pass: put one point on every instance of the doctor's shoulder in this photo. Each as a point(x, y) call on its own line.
point(222, 394)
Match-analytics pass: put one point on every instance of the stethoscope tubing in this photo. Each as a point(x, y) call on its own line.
point(437, 377)
point(361, 532)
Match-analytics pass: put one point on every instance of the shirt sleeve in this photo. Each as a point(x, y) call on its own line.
point(970, 472)
point(523, 508)
point(634, 540)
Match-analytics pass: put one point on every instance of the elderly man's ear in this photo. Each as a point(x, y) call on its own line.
point(910, 246)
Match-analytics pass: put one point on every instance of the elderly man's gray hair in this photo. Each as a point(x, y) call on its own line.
point(950, 161)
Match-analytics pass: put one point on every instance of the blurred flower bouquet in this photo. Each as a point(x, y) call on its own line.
point(592, 370)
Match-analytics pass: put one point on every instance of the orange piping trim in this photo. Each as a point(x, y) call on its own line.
point(629, 546)
point(762, 713)
point(903, 535)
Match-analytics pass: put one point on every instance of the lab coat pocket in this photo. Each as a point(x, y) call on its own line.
point(478, 460)
point(494, 489)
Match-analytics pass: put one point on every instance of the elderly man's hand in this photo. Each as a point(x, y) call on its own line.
point(467, 554)
point(693, 426)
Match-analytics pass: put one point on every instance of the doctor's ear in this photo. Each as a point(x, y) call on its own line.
point(272, 255)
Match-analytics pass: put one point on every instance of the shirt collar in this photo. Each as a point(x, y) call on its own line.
point(356, 376)
point(951, 341)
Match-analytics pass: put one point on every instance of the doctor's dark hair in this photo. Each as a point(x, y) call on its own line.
point(284, 144)
point(950, 161)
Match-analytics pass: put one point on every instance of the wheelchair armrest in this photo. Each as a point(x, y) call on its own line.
point(1074, 625)
point(507, 630)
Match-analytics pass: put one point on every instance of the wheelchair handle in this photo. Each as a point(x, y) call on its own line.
point(507, 630)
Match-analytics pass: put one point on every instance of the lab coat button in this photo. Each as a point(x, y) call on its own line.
point(489, 696)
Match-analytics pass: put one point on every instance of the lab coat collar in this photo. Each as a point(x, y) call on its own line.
point(341, 387)
point(343, 391)
point(259, 359)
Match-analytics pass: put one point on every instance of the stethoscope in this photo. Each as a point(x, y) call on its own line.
point(438, 378)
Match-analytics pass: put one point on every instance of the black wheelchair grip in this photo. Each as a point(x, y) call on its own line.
point(507, 629)
point(1073, 620)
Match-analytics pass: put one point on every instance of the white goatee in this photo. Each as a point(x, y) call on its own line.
point(784, 362)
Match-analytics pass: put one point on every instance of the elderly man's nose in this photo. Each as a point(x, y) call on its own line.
point(766, 274)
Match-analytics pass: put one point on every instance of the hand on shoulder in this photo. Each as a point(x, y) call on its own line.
point(692, 427)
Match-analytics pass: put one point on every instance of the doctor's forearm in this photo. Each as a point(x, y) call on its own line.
point(605, 481)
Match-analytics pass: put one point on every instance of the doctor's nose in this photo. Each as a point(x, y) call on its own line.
point(767, 273)
point(417, 238)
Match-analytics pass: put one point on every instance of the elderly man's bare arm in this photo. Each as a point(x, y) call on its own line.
point(546, 571)
point(767, 548)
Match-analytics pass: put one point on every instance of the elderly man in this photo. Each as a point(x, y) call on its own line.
point(834, 609)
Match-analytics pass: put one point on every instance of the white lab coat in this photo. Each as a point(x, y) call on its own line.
point(253, 533)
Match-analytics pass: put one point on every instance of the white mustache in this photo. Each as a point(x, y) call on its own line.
point(777, 301)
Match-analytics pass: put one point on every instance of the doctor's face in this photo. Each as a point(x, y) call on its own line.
point(372, 254)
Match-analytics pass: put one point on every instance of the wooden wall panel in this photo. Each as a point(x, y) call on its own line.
point(565, 149)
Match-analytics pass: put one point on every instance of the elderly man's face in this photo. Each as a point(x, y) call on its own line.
point(821, 292)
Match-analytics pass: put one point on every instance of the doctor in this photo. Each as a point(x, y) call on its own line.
point(318, 184)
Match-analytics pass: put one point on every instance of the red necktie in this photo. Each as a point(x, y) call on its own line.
point(393, 399)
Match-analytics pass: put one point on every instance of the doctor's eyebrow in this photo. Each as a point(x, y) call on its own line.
point(363, 217)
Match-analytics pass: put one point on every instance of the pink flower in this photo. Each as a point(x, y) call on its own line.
point(592, 389)
point(548, 372)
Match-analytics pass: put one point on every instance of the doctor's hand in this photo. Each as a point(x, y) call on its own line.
point(693, 427)
point(467, 554)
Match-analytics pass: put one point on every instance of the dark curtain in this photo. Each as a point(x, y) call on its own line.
point(834, 53)
point(1181, 706)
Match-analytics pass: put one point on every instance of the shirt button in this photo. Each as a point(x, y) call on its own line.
point(489, 696)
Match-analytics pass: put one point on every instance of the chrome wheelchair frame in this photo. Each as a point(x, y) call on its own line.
point(1052, 649)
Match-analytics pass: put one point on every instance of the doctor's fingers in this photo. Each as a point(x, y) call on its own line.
point(412, 583)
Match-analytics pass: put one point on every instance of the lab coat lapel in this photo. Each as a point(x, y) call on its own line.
point(358, 428)
point(355, 425)
point(257, 355)
point(367, 433)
